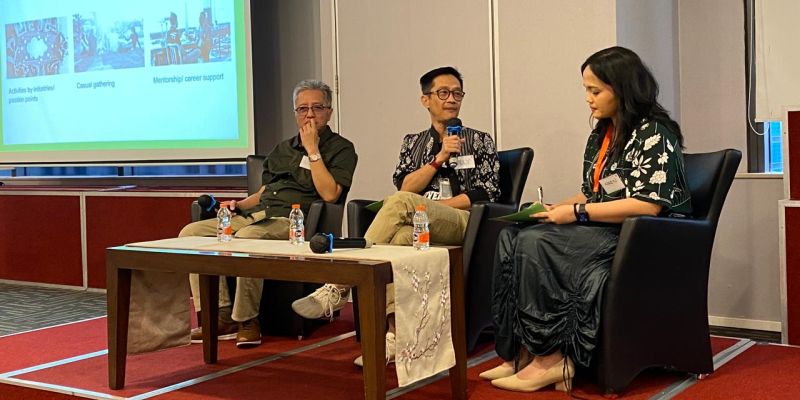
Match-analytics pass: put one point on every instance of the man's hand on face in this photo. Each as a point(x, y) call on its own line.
point(450, 144)
point(309, 137)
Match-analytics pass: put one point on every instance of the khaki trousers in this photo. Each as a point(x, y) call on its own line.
point(248, 290)
point(394, 225)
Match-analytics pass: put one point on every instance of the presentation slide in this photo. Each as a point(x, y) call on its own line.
point(113, 80)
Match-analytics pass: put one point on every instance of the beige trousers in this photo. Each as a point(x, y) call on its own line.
point(248, 290)
point(394, 225)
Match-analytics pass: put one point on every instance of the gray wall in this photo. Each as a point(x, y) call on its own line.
point(650, 28)
point(743, 288)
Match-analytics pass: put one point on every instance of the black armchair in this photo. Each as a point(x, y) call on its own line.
point(479, 240)
point(655, 309)
point(276, 315)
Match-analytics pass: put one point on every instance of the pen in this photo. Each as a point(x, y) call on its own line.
point(541, 200)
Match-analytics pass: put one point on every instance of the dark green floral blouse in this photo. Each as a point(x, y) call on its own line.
point(650, 166)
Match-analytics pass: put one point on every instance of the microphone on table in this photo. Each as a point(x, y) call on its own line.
point(208, 205)
point(453, 128)
point(325, 243)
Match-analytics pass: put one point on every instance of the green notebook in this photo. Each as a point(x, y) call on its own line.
point(524, 215)
point(375, 207)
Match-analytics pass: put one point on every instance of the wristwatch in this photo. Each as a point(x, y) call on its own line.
point(580, 213)
point(314, 157)
point(435, 164)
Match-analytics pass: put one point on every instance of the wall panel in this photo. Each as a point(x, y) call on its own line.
point(40, 239)
point(384, 47)
point(541, 102)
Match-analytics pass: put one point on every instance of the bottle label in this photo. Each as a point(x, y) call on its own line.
point(424, 237)
point(228, 230)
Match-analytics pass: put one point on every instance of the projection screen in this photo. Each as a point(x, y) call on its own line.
point(94, 81)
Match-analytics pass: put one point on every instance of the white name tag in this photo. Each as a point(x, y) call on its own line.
point(612, 184)
point(465, 162)
point(305, 163)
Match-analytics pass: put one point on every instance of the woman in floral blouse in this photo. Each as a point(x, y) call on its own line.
point(549, 277)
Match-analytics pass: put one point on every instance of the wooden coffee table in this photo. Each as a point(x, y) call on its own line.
point(369, 277)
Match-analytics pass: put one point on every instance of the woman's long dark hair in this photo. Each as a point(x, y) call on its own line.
point(636, 91)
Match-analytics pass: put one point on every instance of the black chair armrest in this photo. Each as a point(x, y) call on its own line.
point(655, 285)
point(324, 217)
point(643, 257)
point(481, 229)
point(359, 217)
point(312, 220)
point(196, 211)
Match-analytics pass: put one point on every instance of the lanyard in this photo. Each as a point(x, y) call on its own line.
point(601, 159)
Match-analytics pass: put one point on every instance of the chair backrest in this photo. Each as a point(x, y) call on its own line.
point(709, 177)
point(255, 168)
point(514, 167)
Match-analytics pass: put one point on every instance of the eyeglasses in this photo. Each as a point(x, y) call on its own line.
point(303, 110)
point(443, 94)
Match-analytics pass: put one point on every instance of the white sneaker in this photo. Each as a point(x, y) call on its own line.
point(390, 350)
point(322, 303)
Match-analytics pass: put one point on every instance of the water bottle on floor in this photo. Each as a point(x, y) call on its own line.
point(224, 228)
point(422, 235)
point(297, 232)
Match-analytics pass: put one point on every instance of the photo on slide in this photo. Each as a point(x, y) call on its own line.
point(103, 43)
point(37, 47)
point(187, 37)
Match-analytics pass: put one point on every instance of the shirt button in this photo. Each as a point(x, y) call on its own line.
point(274, 193)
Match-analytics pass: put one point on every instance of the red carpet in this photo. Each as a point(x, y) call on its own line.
point(764, 371)
point(322, 372)
point(52, 344)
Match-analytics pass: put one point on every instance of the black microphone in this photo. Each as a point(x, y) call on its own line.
point(453, 128)
point(208, 206)
point(325, 243)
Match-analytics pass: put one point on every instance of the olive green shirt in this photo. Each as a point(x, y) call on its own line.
point(287, 182)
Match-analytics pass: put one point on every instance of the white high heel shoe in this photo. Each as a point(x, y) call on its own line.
point(553, 375)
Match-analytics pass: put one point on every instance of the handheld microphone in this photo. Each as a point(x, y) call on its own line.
point(453, 128)
point(208, 205)
point(325, 243)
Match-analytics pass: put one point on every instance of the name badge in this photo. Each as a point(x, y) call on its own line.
point(465, 162)
point(612, 184)
point(305, 163)
point(432, 195)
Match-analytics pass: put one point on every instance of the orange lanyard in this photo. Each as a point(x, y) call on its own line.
point(601, 159)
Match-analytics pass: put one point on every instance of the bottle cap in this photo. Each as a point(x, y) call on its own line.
point(295, 205)
point(420, 207)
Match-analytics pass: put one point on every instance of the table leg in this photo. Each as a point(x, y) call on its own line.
point(458, 374)
point(118, 292)
point(372, 314)
point(209, 311)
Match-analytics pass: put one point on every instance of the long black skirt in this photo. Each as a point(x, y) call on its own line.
point(547, 288)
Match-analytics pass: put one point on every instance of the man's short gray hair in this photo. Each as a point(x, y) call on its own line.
point(313, 84)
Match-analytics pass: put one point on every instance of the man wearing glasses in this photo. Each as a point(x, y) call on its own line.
point(315, 164)
point(425, 175)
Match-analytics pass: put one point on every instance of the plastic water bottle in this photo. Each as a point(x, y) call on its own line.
point(224, 228)
point(297, 231)
point(422, 235)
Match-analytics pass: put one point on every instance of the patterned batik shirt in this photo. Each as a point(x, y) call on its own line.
point(479, 183)
point(650, 166)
